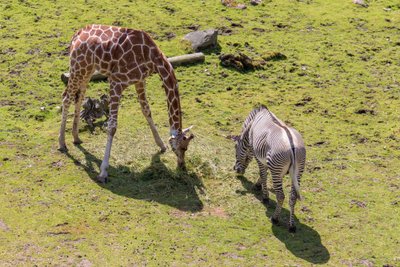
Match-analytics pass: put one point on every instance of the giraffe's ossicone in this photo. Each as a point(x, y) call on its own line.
point(126, 57)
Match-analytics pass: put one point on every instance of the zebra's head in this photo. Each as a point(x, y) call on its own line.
point(243, 156)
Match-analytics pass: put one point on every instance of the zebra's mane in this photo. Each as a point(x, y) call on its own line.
point(249, 120)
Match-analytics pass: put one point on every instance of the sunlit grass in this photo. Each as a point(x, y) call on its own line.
point(339, 86)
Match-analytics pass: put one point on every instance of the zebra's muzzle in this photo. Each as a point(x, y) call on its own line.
point(238, 170)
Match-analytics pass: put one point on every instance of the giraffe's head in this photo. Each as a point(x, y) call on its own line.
point(179, 144)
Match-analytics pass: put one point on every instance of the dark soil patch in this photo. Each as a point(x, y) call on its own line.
point(303, 101)
point(273, 56)
point(358, 203)
point(240, 62)
point(365, 111)
point(169, 35)
point(224, 31)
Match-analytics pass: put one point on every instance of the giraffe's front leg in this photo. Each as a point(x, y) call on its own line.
point(140, 89)
point(115, 95)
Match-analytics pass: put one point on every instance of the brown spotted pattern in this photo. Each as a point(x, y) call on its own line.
point(126, 57)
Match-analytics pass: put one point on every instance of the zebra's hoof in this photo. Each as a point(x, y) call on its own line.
point(274, 221)
point(265, 201)
point(292, 229)
point(257, 187)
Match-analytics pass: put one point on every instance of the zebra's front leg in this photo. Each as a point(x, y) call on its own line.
point(292, 203)
point(141, 92)
point(280, 196)
point(262, 182)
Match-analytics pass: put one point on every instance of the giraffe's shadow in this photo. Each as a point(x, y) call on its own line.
point(156, 183)
point(305, 243)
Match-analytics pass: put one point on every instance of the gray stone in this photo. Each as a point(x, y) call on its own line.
point(202, 39)
point(255, 2)
point(360, 3)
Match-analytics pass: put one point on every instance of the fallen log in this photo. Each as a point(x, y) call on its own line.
point(186, 59)
point(175, 61)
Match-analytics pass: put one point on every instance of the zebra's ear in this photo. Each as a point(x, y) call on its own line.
point(233, 137)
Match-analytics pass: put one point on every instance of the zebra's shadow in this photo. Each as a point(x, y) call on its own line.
point(305, 243)
point(156, 183)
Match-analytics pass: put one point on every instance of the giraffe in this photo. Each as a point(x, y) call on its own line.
point(126, 57)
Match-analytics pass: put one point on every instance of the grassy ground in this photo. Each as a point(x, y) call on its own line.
point(339, 86)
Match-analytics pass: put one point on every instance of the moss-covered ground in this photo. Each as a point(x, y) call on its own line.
point(339, 86)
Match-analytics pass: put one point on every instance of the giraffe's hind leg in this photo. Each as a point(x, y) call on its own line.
point(141, 92)
point(68, 96)
point(80, 94)
point(66, 102)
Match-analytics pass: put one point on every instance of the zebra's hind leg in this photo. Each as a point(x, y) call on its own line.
point(292, 203)
point(262, 182)
point(280, 196)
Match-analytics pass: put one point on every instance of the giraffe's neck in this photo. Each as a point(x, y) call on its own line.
point(170, 85)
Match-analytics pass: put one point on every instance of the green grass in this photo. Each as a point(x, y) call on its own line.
point(339, 86)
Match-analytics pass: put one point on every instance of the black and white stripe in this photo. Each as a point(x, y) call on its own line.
point(277, 148)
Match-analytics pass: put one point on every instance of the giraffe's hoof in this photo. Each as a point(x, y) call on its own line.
point(274, 221)
point(265, 201)
point(63, 149)
point(292, 229)
point(78, 142)
point(163, 149)
point(101, 179)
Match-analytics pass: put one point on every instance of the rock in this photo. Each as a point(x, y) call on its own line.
point(202, 39)
point(360, 3)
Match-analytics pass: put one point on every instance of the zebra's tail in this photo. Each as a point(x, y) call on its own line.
point(294, 173)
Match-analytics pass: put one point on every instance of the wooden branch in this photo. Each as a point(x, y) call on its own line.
point(175, 61)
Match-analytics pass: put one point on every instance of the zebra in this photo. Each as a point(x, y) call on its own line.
point(276, 147)
point(94, 109)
